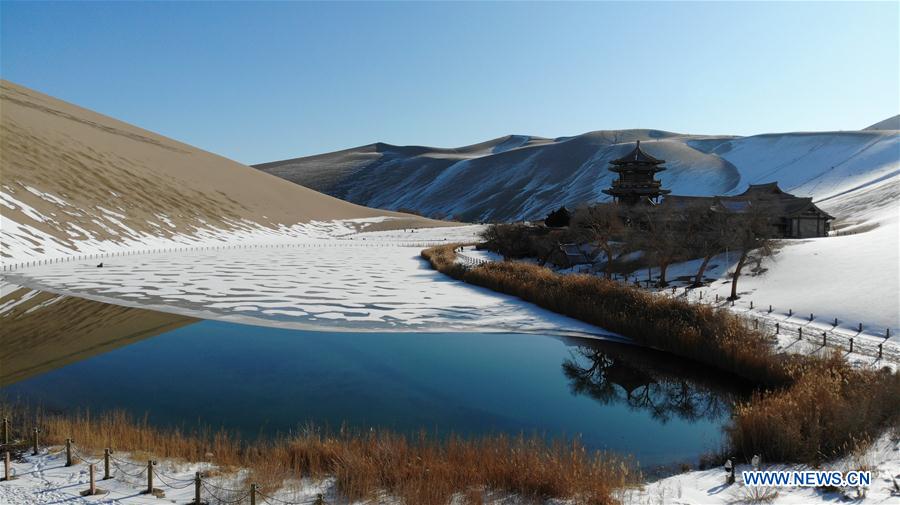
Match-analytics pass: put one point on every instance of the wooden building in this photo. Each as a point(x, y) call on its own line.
point(636, 182)
point(789, 216)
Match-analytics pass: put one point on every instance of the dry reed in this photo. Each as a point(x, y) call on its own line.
point(416, 469)
point(701, 333)
point(815, 408)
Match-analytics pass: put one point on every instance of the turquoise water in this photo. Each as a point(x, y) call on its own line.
point(265, 380)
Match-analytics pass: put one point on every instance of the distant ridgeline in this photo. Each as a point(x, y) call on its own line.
point(789, 215)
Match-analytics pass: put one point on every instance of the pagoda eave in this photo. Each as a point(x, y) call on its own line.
point(641, 168)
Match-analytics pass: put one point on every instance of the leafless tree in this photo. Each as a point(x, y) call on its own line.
point(659, 236)
point(601, 225)
point(705, 234)
point(750, 232)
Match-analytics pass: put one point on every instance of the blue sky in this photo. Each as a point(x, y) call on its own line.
point(265, 81)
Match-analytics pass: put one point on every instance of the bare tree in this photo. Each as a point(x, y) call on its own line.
point(750, 232)
point(602, 225)
point(705, 232)
point(659, 237)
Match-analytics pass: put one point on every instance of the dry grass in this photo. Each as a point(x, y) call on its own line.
point(829, 410)
point(418, 470)
point(814, 408)
point(704, 334)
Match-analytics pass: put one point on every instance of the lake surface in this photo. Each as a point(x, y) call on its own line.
point(262, 380)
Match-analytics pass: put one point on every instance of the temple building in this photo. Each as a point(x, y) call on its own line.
point(636, 182)
point(789, 216)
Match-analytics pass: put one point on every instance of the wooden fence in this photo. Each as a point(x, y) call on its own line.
point(206, 490)
point(859, 339)
point(190, 249)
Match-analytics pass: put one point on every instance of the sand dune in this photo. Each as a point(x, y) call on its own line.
point(70, 176)
point(521, 177)
point(891, 123)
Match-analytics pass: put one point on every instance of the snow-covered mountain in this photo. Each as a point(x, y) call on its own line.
point(523, 177)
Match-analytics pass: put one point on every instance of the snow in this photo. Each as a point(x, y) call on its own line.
point(45, 479)
point(338, 285)
point(527, 182)
point(708, 486)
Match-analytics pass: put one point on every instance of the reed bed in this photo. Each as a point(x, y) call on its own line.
point(829, 411)
point(416, 469)
point(807, 408)
point(705, 334)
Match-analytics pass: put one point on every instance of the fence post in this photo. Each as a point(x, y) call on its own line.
point(751, 304)
point(253, 494)
point(6, 466)
point(770, 309)
point(35, 452)
point(851, 344)
point(879, 351)
point(92, 490)
point(790, 312)
point(835, 322)
point(860, 327)
point(717, 297)
point(800, 332)
point(68, 452)
point(825, 340)
point(106, 474)
point(777, 328)
point(810, 317)
point(197, 484)
point(150, 477)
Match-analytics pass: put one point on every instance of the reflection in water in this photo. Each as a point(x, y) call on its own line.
point(261, 381)
point(41, 331)
point(657, 384)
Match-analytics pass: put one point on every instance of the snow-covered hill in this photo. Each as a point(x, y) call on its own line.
point(521, 177)
point(891, 123)
point(853, 175)
point(74, 182)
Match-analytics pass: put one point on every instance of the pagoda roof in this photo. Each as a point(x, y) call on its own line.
point(637, 156)
point(764, 197)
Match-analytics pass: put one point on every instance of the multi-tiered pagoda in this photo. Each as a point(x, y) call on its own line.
point(636, 182)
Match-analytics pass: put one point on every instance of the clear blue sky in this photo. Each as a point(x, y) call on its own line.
point(265, 81)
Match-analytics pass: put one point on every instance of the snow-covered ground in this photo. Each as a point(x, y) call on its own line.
point(708, 486)
point(25, 244)
point(339, 285)
point(44, 479)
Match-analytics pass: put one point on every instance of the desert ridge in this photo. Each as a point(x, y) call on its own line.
point(72, 177)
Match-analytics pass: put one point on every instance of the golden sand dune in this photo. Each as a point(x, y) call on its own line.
point(77, 175)
point(42, 331)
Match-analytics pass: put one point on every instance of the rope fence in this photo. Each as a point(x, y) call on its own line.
point(206, 490)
